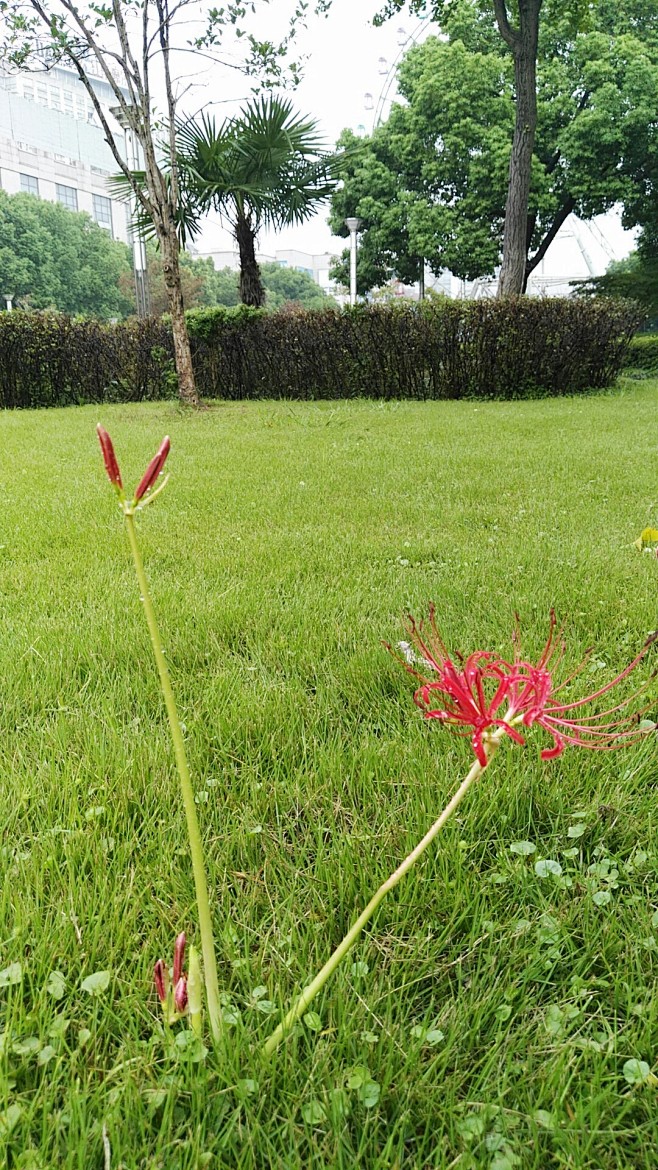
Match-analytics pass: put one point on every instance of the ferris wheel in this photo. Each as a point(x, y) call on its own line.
point(388, 70)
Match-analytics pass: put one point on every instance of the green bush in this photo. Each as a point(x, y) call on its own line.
point(643, 352)
point(447, 349)
point(49, 359)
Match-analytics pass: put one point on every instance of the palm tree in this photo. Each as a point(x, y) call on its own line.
point(266, 167)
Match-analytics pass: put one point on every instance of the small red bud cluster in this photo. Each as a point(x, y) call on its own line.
point(172, 987)
point(150, 476)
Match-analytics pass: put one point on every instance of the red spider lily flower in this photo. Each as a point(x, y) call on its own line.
point(153, 470)
point(109, 458)
point(485, 692)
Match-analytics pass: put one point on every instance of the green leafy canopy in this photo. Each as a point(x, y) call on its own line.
point(51, 257)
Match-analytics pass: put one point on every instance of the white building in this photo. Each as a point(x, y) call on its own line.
point(314, 265)
point(52, 145)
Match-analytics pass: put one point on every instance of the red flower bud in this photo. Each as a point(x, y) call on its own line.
point(160, 978)
point(110, 459)
point(180, 994)
point(153, 470)
point(179, 957)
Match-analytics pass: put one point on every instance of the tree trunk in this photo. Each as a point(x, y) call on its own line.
point(251, 285)
point(515, 245)
point(182, 352)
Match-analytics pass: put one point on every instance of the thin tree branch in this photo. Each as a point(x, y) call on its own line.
point(561, 215)
point(124, 41)
point(155, 35)
point(100, 55)
point(164, 17)
point(71, 55)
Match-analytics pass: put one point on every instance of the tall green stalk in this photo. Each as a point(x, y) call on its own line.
point(309, 992)
point(196, 847)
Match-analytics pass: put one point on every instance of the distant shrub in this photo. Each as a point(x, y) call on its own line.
point(643, 352)
point(446, 349)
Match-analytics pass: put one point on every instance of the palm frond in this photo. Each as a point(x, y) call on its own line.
point(267, 162)
point(188, 214)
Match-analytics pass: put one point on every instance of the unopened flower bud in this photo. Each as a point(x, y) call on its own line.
point(160, 979)
point(179, 957)
point(153, 470)
point(109, 458)
point(180, 995)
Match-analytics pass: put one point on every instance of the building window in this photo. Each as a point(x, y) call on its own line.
point(67, 196)
point(55, 98)
point(29, 184)
point(28, 91)
point(103, 211)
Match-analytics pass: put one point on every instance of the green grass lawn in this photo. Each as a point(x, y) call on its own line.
point(486, 1017)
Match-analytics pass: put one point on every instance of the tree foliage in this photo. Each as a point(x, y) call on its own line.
point(205, 286)
point(288, 286)
point(634, 278)
point(51, 257)
point(432, 180)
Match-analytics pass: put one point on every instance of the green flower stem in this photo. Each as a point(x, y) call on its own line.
point(196, 847)
point(353, 933)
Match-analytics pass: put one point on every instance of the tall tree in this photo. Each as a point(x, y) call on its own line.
point(523, 41)
point(432, 180)
point(264, 168)
point(518, 26)
point(131, 46)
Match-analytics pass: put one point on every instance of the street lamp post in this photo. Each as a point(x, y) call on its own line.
point(140, 266)
point(352, 224)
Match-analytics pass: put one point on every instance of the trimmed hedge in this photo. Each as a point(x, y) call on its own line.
point(48, 359)
point(451, 349)
point(643, 353)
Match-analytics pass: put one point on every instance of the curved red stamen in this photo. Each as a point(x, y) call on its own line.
point(473, 694)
